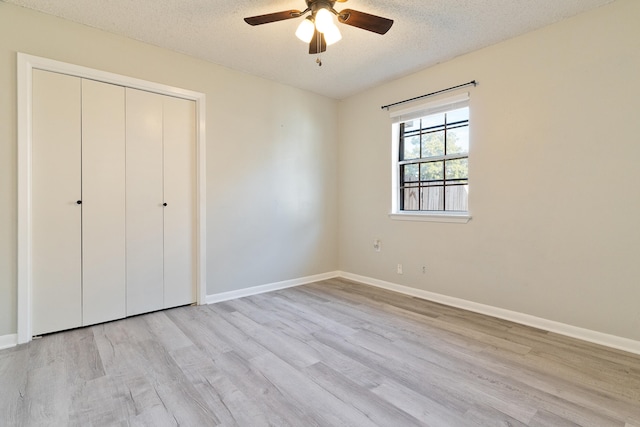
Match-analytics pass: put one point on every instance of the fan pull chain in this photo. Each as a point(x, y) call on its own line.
point(319, 49)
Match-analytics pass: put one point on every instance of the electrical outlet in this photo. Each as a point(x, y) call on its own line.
point(424, 269)
point(399, 268)
point(377, 245)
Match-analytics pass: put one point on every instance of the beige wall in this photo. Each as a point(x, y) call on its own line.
point(554, 178)
point(271, 155)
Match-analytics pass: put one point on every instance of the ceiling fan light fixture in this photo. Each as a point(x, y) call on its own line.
point(305, 30)
point(332, 35)
point(319, 29)
point(324, 20)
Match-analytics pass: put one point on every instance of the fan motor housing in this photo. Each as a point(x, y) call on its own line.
point(314, 5)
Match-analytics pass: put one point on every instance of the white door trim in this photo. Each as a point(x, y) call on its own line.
point(26, 64)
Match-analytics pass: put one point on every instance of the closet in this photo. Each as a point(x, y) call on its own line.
point(113, 202)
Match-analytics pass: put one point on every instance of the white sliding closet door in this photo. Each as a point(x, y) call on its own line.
point(144, 216)
point(179, 194)
point(56, 215)
point(103, 202)
point(113, 202)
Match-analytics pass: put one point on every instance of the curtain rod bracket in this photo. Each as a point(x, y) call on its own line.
point(472, 82)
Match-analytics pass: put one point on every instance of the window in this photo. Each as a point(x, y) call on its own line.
point(431, 159)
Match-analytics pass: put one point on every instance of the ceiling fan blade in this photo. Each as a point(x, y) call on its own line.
point(273, 17)
point(376, 24)
point(317, 43)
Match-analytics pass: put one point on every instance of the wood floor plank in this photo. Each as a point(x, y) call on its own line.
point(429, 410)
point(363, 374)
point(444, 372)
point(14, 364)
point(488, 416)
point(166, 331)
point(298, 315)
point(289, 349)
point(197, 325)
point(274, 406)
point(330, 353)
point(47, 395)
point(228, 334)
point(545, 418)
point(293, 350)
point(377, 409)
point(99, 402)
point(315, 400)
point(421, 381)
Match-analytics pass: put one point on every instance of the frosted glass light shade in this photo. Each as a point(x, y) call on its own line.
point(305, 30)
point(324, 20)
point(332, 35)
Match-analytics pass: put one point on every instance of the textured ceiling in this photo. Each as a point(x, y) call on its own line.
point(425, 33)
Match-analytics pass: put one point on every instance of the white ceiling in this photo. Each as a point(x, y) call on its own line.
point(425, 32)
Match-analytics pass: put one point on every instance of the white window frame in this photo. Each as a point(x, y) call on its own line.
point(402, 115)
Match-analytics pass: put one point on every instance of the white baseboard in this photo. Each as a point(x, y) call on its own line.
point(595, 337)
point(255, 290)
point(7, 341)
point(613, 341)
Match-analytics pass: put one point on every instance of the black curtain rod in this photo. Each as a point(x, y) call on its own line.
point(472, 82)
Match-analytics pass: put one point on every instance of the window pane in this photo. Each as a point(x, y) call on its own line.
point(433, 120)
point(431, 171)
point(410, 199)
point(433, 144)
point(458, 140)
point(429, 180)
point(457, 169)
point(458, 115)
point(457, 197)
point(432, 198)
point(411, 125)
point(410, 173)
point(411, 148)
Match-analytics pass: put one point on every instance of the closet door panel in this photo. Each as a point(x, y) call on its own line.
point(103, 202)
point(144, 210)
point(179, 194)
point(56, 216)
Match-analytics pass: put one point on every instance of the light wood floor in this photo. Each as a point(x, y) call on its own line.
point(332, 353)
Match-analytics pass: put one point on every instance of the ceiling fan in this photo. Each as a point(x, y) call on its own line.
point(318, 29)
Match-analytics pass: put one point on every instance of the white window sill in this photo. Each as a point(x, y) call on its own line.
point(460, 218)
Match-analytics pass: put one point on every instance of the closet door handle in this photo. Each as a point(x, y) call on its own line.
point(164, 204)
point(79, 202)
